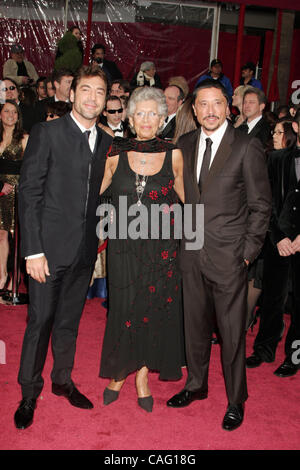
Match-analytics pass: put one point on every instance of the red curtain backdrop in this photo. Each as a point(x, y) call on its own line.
point(176, 50)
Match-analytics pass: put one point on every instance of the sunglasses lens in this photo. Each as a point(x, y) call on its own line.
point(114, 111)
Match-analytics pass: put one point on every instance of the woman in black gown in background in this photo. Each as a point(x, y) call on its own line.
point(144, 324)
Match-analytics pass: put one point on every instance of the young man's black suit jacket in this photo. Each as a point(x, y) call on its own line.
point(58, 197)
point(59, 191)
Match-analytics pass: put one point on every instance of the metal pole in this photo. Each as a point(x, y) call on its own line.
point(88, 33)
point(66, 16)
point(238, 53)
point(214, 45)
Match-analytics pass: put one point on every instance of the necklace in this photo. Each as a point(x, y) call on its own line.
point(140, 184)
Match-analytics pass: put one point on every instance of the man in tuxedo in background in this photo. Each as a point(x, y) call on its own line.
point(174, 98)
point(224, 170)
point(281, 262)
point(61, 175)
point(254, 102)
point(113, 115)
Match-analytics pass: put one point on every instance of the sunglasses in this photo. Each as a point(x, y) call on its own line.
point(11, 87)
point(114, 111)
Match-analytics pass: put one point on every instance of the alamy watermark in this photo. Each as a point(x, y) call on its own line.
point(160, 221)
point(295, 97)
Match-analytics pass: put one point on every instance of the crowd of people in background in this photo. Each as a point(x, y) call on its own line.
point(28, 99)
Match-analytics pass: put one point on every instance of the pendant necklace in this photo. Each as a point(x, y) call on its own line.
point(140, 184)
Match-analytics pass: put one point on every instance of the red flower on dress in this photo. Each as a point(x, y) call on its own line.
point(164, 190)
point(174, 254)
point(152, 289)
point(164, 254)
point(172, 221)
point(128, 323)
point(169, 300)
point(170, 273)
point(145, 319)
point(171, 182)
point(153, 195)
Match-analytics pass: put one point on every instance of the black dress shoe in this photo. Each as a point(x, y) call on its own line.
point(73, 395)
point(287, 369)
point(233, 417)
point(24, 414)
point(254, 361)
point(185, 398)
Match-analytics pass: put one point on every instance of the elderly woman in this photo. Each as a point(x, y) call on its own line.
point(146, 76)
point(143, 330)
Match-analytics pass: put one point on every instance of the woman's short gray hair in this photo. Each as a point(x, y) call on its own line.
point(147, 66)
point(147, 93)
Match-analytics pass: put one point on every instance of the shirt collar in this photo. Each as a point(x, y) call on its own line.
point(81, 127)
point(253, 122)
point(217, 135)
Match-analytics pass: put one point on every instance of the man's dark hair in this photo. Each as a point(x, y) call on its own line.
point(208, 83)
point(181, 96)
point(88, 71)
point(113, 98)
point(297, 117)
point(262, 99)
point(123, 83)
point(97, 46)
point(57, 75)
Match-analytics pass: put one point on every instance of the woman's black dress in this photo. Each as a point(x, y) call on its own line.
point(144, 324)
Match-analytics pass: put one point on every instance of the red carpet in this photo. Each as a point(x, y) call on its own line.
point(272, 416)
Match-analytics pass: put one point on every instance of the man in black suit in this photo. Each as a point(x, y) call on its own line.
point(62, 80)
point(174, 98)
point(61, 175)
point(255, 125)
point(110, 68)
point(281, 262)
point(224, 170)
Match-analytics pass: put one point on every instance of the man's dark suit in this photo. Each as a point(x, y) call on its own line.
point(169, 131)
point(236, 198)
point(58, 196)
point(285, 223)
point(111, 70)
point(261, 131)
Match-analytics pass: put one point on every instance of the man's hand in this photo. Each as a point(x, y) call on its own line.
point(7, 188)
point(38, 268)
point(285, 247)
point(25, 80)
point(296, 244)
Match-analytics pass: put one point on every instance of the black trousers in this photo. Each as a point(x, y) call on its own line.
point(55, 308)
point(216, 299)
point(278, 272)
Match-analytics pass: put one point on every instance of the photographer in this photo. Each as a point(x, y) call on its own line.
point(109, 68)
point(18, 68)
